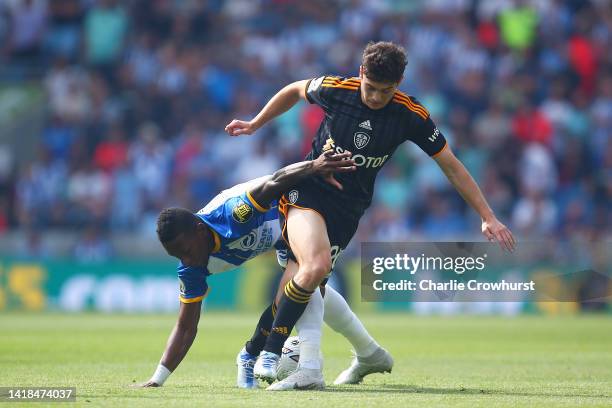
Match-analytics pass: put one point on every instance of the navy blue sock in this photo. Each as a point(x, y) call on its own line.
point(262, 331)
point(290, 307)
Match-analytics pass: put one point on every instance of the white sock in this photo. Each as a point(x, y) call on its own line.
point(309, 330)
point(339, 316)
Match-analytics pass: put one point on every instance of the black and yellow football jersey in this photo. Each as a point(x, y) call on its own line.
point(371, 135)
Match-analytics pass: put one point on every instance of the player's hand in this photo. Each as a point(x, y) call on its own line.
point(148, 384)
point(329, 162)
point(240, 127)
point(494, 230)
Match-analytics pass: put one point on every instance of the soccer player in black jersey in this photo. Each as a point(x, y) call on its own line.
point(369, 116)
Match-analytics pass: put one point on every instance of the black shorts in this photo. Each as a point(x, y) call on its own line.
point(341, 217)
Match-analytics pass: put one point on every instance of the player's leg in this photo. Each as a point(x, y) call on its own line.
point(308, 240)
point(257, 341)
point(307, 235)
point(308, 375)
point(370, 356)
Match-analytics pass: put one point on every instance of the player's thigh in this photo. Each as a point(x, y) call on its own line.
point(308, 239)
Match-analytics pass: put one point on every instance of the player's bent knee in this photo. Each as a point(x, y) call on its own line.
point(320, 266)
point(310, 275)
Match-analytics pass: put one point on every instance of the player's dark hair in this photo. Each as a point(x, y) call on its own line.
point(172, 222)
point(384, 62)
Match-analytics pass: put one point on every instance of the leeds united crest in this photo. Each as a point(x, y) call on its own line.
point(361, 139)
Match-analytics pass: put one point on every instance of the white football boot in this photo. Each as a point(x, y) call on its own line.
point(379, 362)
point(245, 363)
point(300, 379)
point(266, 366)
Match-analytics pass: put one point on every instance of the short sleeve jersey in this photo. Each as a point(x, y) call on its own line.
point(371, 135)
point(242, 229)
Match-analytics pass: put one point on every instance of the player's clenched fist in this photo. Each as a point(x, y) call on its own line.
point(240, 127)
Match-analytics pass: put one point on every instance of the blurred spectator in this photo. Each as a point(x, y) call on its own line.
point(531, 125)
point(4, 221)
point(111, 153)
point(105, 28)
point(63, 37)
point(139, 92)
point(92, 246)
point(40, 188)
point(89, 193)
point(68, 92)
point(264, 161)
point(127, 198)
point(32, 245)
point(518, 25)
point(28, 20)
point(150, 157)
point(537, 169)
point(535, 215)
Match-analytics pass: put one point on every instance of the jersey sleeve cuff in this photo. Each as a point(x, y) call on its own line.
point(259, 207)
point(441, 150)
point(195, 299)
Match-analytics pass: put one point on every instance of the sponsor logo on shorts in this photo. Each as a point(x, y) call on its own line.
point(361, 139)
point(242, 212)
point(293, 196)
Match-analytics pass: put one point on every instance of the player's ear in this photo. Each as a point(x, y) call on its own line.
point(361, 71)
point(201, 228)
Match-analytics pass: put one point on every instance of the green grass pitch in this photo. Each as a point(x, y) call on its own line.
point(439, 361)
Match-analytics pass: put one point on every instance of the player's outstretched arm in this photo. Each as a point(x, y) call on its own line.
point(463, 182)
point(279, 104)
point(178, 345)
point(324, 165)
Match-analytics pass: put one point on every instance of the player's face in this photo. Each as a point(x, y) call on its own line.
point(190, 249)
point(376, 95)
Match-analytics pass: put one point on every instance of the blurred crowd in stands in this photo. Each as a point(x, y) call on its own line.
point(138, 93)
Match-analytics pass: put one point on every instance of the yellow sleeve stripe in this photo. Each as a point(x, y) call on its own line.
point(417, 111)
point(400, 96)
point(353, 88)
point(409, 101)
point(255, 203)
point(346, 82)
point(195, 299)
point(343, 82)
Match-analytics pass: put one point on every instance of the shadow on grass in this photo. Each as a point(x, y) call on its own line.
point(413, 389)
point(387, 389)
